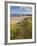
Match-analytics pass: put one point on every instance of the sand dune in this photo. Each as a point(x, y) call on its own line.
point(16, 19)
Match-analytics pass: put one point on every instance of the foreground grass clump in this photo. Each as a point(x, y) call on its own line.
point(22, 30)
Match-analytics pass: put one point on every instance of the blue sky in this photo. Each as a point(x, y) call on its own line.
point(20, 10)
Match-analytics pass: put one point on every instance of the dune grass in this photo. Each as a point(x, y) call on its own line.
point(21, 30)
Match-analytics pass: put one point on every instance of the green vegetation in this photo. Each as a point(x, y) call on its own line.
point(22, 30)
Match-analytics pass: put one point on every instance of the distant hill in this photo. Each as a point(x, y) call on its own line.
point(13, 15)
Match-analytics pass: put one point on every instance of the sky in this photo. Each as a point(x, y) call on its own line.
point(20, 10)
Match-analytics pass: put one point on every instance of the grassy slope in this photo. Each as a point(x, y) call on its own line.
point(22, 30)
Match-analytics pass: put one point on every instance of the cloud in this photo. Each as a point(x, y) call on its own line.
point(20, 10)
